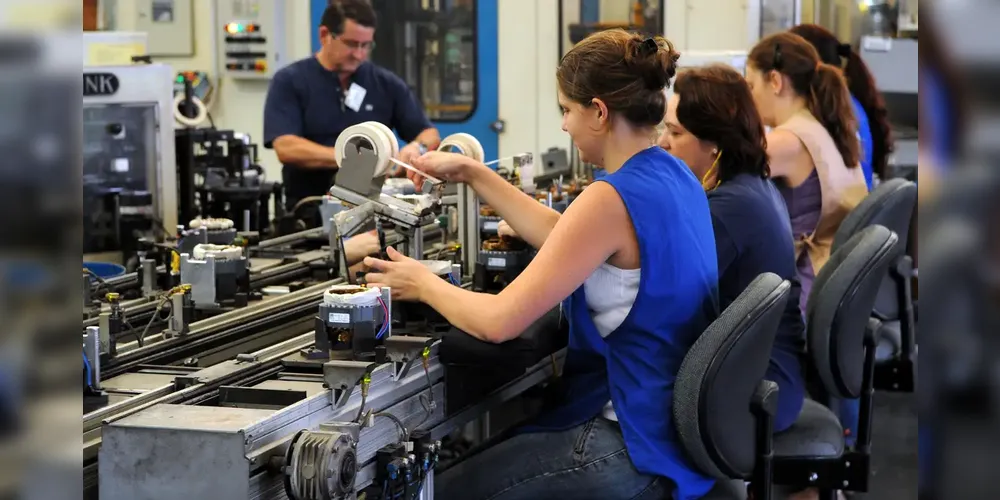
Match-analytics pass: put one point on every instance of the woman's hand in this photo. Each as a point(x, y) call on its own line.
point(504, 229)
point(406, 277)
point(451, 167)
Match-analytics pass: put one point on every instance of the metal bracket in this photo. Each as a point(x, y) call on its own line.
point(403, 351)
point(342, 376)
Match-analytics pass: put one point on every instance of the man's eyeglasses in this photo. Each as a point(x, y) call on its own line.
point(355, 45)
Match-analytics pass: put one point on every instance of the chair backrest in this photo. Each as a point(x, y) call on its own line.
point(840, 305)
point(719, 375)
point(891, 205)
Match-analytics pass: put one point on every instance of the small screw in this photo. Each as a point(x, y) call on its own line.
point(813, 477)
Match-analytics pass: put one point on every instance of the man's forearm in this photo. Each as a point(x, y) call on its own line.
point(531, 220)
point(301, 152)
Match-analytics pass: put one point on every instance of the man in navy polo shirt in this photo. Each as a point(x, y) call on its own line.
point(311, 101)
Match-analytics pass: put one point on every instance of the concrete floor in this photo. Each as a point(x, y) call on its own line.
point(894, 448)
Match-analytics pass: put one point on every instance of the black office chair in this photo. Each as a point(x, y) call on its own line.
point(891, 205)
point(723, 410)
point(842, 339)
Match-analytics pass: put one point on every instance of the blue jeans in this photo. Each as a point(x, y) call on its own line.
point(587, 461)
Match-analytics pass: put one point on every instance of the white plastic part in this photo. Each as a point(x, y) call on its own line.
point(420, 202)
point(201, 109)
point(229, 252)
point(211, 224)
point(355, 296)
point(372, 135)
point(438, 267)
point(467, 144)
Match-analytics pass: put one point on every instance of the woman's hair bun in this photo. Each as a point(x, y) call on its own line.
point(653, 58)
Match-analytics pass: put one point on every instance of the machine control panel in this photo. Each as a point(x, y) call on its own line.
point(252, 41)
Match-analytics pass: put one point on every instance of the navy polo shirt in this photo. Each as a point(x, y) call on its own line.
point(306, 100)
point(753, 235)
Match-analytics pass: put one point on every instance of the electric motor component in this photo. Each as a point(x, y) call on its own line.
point(503, 244)
point(322, 464)
point(212, 224)
point(217, 274)
point(352, 321)
point(209, 230)
point(227, 252)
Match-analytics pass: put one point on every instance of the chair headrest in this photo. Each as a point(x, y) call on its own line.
point(891, 204)
point(719, 375)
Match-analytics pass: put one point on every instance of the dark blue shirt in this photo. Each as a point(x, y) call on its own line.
point(865, 135)
point(753, 236)
point(306, 100)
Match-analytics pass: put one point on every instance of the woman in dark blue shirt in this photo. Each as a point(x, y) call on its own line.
point(869, 106)
point(713, 126)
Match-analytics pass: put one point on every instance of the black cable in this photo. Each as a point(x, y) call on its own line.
point(404, 435)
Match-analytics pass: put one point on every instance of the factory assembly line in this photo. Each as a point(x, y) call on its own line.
point(253, 364)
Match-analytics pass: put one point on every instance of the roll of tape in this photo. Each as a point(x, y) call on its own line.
point(366, 135)
point(467, 144)
point(393, 142)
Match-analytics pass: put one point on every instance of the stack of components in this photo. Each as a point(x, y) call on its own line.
point(559, 196)
point(501, 258)
point(218, 274)
point(353, 322)
point(213, 231)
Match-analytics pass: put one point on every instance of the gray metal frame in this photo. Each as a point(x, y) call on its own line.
point(150, 84)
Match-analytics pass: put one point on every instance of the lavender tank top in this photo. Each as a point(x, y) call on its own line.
point(804, 204)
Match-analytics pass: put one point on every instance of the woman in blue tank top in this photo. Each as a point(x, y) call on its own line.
point(633, 263)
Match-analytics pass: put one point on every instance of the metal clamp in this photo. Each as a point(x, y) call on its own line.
point(403, 350)
point(343, 376)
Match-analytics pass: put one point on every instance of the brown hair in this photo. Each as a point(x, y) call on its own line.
point(861, 85)
point(822, 86)
point(625, 70)
point(715, 104)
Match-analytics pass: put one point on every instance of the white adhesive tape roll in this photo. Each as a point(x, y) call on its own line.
point(210, 223)
point(368, 136)
point(351, 295)
point(229, 252)
point(393, 142)
point(467, 144)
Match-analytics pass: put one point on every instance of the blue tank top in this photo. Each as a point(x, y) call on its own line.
point(635, 366)
point(865, 135)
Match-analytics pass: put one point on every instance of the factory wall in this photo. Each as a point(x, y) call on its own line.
point(237, 104)
point(526, 66)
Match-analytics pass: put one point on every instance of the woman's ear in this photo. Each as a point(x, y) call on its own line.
point(601, 110)
point(776, 81)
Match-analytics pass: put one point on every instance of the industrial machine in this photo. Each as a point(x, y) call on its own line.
point(317, 386)
point(128, 175)
point(219, 176)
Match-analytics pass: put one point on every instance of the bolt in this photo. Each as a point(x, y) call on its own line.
point(847, 464)
point(845, 483)
point(813, 477)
